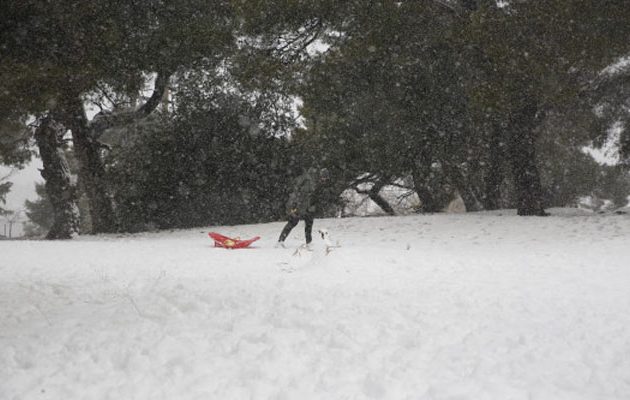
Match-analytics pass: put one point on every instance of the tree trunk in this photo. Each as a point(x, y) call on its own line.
point(432, 189)
point(494, 175)
point(374, 194)
point(464, 184)
point(85, 136)
point(56, 173)
point(522, 151)
point(91, 168)
point(469, 197)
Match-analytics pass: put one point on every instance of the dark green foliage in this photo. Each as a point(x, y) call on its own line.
point(459, 97)
point(71, 47)
point(14, 141)
point(531, 57)
point(14, 150)
point(55, 55)
point(40, 212)
point(388, 100)
point(5, 187)
point(212, 165)
point(613, 184)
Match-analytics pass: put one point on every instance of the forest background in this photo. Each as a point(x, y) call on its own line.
point(157, 115)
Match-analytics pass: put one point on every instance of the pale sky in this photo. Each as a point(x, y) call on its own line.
point(23, 184)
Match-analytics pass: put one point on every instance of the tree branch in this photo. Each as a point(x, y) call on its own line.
point(102, 122)
point(161, 85)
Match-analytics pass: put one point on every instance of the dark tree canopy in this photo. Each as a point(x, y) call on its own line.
point(490, 102)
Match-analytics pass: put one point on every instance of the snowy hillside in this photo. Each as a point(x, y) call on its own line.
point(469, 306)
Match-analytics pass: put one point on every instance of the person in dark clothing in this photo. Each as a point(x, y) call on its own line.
point(293, 220)
point(304, 199)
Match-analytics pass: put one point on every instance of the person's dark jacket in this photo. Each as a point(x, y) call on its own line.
point(305, 193)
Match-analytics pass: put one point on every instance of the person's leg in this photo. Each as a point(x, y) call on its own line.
point(293, 220)
point(308, 229)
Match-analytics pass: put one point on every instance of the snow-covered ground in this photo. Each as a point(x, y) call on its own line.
point(468, 306)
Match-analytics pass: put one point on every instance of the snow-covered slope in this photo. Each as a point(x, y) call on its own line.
point(469, 306)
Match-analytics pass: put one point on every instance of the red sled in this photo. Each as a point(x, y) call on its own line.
point(231, 243)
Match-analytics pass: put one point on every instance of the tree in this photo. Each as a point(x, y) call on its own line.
point(387, 101)
point(225, 166)
point(110, 45)
point(14, 150)
point(60, 190)
point(5, 187)
point(14, 141)
point(39, 212)
point(530, 54)
point(608, 95)
point(459, 96)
